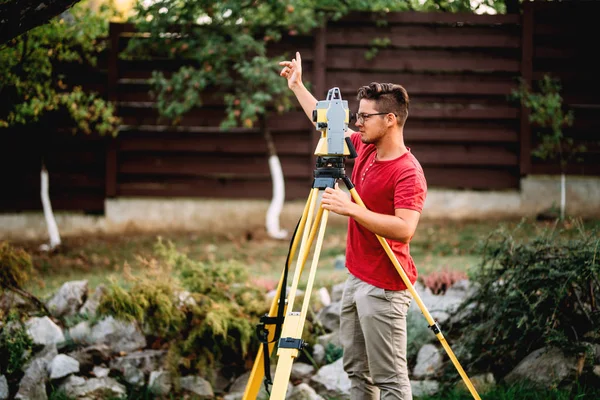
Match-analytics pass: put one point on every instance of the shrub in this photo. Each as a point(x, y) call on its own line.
point(213, 328)
point(333, 353)
point(15, 271)
point(15, 345)
point(15, 266)
point(532, 294)
point(151, 303)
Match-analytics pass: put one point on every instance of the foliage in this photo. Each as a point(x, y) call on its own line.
point(531, 294)
point(333, 353)
point(206, 312)
point(223, 46)
point(377, 44)
point(440, 281)
point(15, 266)
point(59, 395)
point(547, 114)
point(151, 303)
point(32, 82)
point(15, 345)
point(462, 6)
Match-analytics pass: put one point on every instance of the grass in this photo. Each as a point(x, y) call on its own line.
point(437, 246)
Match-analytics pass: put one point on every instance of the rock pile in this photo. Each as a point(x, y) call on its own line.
point(107, 358)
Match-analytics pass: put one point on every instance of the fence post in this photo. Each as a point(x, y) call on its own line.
point(115, 30)
point(526, 76)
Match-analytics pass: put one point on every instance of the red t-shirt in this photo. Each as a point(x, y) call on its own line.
point(383, 186)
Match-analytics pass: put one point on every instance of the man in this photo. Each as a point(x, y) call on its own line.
point(391, 183)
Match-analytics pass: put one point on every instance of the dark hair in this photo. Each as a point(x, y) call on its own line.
point(389, 97)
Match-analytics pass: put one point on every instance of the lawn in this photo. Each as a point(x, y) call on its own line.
point(437, 246)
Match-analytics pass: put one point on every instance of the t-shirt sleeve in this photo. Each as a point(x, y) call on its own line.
point(411, 190)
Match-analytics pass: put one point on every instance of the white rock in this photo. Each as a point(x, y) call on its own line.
point(62, 365)
point(44, 331)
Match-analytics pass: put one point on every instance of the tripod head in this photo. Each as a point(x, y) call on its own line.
point(332, 117)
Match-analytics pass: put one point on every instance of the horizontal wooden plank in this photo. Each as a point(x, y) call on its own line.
point(448, 110)
point(206, 187)
point(471, 178)
point(419, 83)
point(231, 143)
point(83, 161)
point(141, 131)
point(466, 155)
point(137, 90)
point(481, 113)
point(72, 202)
point(65, 181)
point(423, 60)
point(143, 68)
point(453, 135)
point(431, 36)
point(89, 203)
point(208, 164)
point(136, 114)
point(414, 17)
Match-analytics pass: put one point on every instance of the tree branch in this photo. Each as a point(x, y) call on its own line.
point(31, 298)
point(19, 16)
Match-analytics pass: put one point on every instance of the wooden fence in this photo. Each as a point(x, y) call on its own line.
point(457, 68)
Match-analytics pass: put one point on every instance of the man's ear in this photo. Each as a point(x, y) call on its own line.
point(391, 120)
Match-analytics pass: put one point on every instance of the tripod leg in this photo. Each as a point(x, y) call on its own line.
point(307, 239)
point(413, 292)
point(294, 321)
point(257, 374)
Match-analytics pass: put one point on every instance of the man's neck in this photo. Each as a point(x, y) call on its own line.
point(391, 146)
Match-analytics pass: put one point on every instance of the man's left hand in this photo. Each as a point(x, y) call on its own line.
point(337, 201)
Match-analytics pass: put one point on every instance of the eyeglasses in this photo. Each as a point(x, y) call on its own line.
point(361, 117)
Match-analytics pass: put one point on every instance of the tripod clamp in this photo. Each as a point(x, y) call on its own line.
point(435, 328)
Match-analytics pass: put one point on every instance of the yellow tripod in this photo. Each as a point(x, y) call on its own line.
point(330, 169)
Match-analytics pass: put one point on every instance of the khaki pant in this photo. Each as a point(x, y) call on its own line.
point(373, 335)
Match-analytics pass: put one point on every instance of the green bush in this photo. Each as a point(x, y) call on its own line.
point(15, 345)
point(213, 328)
point(15, 266)
point(532, 293)
point(333, 353)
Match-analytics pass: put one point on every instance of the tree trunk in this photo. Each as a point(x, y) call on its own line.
point(19, 16)
point(48, 214)
point(272, 219)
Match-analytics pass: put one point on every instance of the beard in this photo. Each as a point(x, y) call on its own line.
point(372, 138)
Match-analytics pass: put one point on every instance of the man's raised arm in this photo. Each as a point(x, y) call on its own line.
point(292, 71)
